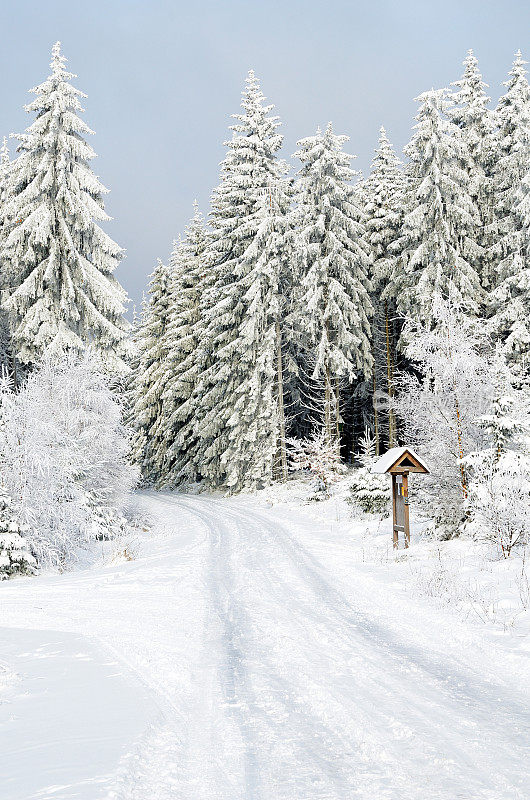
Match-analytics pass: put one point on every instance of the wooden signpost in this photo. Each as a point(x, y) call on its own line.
point(398, 462)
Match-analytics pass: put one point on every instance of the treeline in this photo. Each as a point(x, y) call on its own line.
point(285, 313)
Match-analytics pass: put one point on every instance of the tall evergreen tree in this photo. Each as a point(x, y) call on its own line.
point(185, 332)
point(384, 194)
point(510, 300)
point(250, 169)
point(64, 294)
point(468, 110)
point(334, 258)
point(148, 381)
point(258, 417)
point(512, 117)
point(438, 244)
point(7, 363)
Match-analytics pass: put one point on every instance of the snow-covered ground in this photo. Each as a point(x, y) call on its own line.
point(257, 649)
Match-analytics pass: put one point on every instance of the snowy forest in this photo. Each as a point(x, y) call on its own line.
point(265, 403)
point(311, 319)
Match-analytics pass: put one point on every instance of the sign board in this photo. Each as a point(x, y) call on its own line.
point(399, 462)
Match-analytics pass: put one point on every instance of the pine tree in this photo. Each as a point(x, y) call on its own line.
point(438, 245)
point(5, 173)
point(383, 206)
point(250, 170)
point(150, 377)
point(370, 491)
point(256, 447)
point(512, 116)
point(64, 295)
point(7, 364)
point(129, 395)
point(510, 300)
point(468, 110)
point(185, 355)
point(15, 557)
point(333, 252)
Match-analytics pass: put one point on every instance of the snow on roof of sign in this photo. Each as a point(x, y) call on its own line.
point(391, 456)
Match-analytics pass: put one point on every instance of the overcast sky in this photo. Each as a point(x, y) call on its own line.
point(163, 77)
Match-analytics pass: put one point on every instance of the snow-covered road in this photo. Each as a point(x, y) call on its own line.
point(269, 667)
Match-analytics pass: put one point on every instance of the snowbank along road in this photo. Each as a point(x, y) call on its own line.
point(242, 657)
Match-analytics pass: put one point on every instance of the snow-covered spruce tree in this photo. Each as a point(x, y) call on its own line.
point(129, 392)
point(63, 456)
point(509, 306)
point(7, 363)
point(185, 356)
point(369, 491)
point(258, 417)
point(439, 410)
point(149, 379)
point(438, 245)
point(303, 408)
point(468, 110)
point(15, 557)
point(63, 294)
point(383, 193)
point(250, 170)
point(334, 265)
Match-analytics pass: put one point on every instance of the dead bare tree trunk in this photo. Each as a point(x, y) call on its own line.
point(374, 404)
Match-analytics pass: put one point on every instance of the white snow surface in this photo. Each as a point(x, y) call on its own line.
point(249, 654)
point(389, 458)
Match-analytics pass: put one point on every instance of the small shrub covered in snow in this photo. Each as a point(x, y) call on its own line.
point(318, 456)
point(15, 558)
point(369, 491)
point(107, 521)
point(499, 489)
point(63, 454)
point(500, 497)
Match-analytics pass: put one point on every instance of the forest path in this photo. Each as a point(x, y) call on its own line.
point(277, 675)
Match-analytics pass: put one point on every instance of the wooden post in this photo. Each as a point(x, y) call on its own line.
point(406, 501)
point(399, 462)
point(395, 535)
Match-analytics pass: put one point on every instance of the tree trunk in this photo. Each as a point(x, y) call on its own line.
point(15, 375)
point(282, 460)
point(392, 441)
point(327, 405)
point(337, 415)
point(460, 446)
point(374, 404)
point(463, 478)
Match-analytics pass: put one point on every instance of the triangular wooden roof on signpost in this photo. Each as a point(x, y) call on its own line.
point(398, 460)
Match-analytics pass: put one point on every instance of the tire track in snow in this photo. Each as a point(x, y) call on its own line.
point(238, 641)
point(453, 696)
